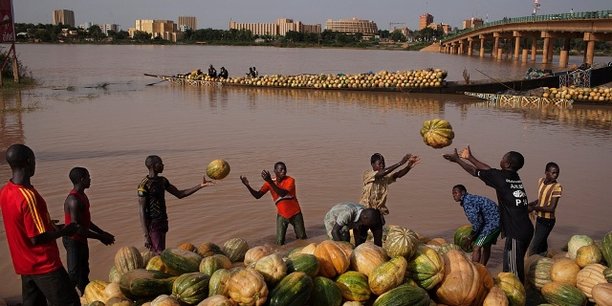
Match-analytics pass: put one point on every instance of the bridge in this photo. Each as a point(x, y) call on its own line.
point(522, 37)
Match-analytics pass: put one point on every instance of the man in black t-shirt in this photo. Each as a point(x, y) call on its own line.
point(152, 202)
point(512, 199)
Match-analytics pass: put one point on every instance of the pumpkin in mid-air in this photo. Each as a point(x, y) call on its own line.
point(218, 169)
point(437, 133)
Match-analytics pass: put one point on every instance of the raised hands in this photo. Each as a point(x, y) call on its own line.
point(266, 176)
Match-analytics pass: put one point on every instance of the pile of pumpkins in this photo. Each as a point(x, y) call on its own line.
point(601, 94)
point(382, 79)
point(407, 270)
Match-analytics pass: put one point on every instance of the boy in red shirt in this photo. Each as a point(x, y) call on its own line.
point(31, 236)
point(282, 189)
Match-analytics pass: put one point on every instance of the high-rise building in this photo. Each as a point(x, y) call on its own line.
point(472, 23)
point(165, 29)
point(352, 26)
point(65, 17)
point(187, 22)
point(109, 27)
point(280, 28)
point(425, 20)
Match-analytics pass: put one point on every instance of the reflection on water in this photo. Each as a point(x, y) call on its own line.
point(579, 116)
point(11, 120)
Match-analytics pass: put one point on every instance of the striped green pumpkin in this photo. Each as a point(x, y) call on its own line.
point(427, 268)
point(404, 295)
point(562, 294)
point(293, 290)
point(325, 292)
point(306, 263)
point(181, 261)
point(191, 288)
point(354, 286)
point(218, 281)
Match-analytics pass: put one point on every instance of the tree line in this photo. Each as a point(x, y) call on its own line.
point(49, 33)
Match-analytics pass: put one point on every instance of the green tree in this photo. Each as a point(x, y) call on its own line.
point(141, 36)
point(397, 36)
point(96, 33)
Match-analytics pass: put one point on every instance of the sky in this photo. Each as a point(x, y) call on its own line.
point(217, 14)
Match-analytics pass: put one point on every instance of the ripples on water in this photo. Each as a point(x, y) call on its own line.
point(325, 137)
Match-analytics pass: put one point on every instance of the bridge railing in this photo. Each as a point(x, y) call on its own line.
point(606, 14)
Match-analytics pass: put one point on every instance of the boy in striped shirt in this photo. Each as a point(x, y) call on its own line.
point(549, 192)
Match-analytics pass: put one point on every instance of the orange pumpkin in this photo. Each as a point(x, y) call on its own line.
point(461, 280)
point(590, 276)
point(187, 246)
point(437, 133)
point(487, 284)
point(332, 258)
point(366, 257)
point(602, 294)
point(496, 297)
point(564, 270)
point(208, 248)
point(247, 287)
point(255, 253)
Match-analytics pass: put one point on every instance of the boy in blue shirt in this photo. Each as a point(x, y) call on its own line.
point(483, 214)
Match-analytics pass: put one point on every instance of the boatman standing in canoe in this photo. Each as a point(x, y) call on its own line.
point(282, 189)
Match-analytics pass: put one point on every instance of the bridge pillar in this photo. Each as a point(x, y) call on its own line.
point(524, 55)
point(546, 48)
point(461, 48)
point(517, 43)
point(494, 51)
point(564, 55)
point(470, 46)
point(589, 53)
point(534, 48)
point(482, 48)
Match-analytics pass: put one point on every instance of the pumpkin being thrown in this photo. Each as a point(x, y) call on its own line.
point(218, 169)
point(437, 133)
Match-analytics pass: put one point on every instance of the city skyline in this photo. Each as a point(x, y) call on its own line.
point(219, 14)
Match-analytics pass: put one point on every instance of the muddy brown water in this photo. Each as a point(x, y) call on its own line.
point(325, 138)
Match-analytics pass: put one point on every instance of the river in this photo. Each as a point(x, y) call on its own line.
point(325, 138)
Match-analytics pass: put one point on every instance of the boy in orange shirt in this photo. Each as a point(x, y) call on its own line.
point(282, 189)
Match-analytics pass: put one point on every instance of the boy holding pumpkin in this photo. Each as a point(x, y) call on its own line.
point(512, 199)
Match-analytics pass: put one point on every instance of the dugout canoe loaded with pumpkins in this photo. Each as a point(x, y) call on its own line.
point(408, 269)
point(430, 80)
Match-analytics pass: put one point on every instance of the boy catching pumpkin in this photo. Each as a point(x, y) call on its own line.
point(376, 181)
point(512, 199)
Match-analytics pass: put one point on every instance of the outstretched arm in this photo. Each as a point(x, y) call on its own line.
point(454, 157)
point(412, 161)
point(187, 192)
point(97, 233)
point(466, 153)
point(255, 193)
point(384, 172)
